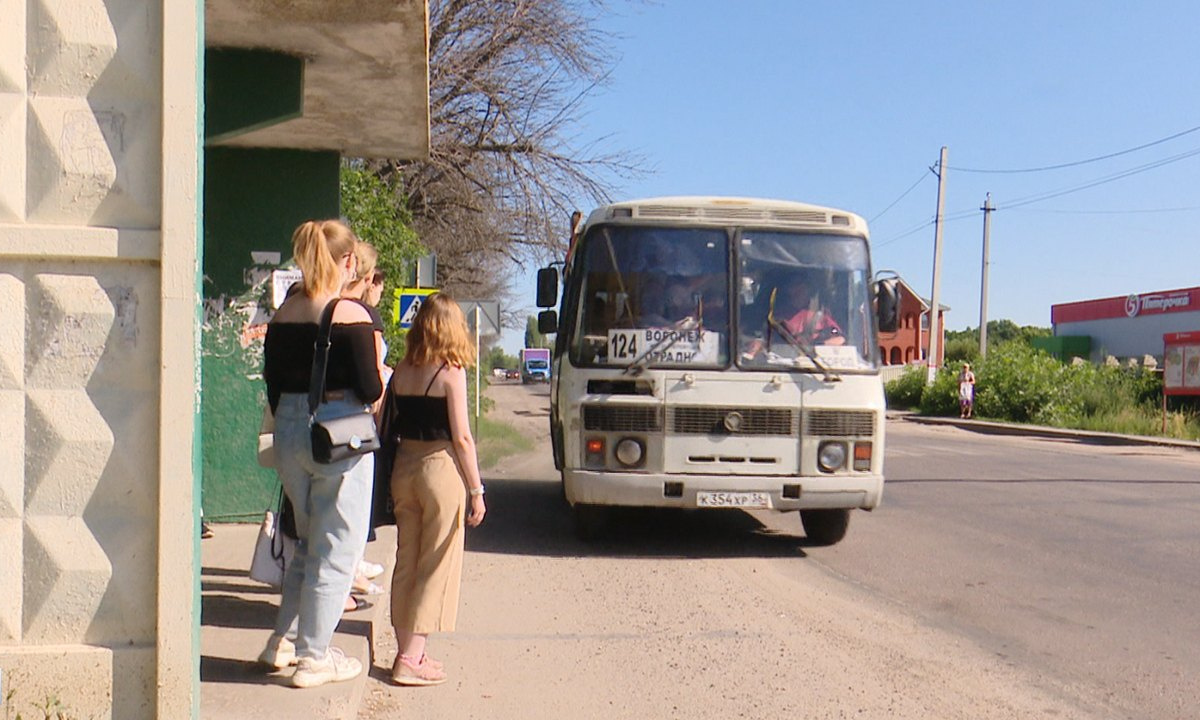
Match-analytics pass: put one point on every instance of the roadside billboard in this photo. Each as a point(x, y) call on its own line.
point(1181, 363)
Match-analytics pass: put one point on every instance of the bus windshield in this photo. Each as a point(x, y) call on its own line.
point(803, 301)
point(656, 296)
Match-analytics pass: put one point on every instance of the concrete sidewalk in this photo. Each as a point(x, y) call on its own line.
point(1006, 428)
point(237, 616)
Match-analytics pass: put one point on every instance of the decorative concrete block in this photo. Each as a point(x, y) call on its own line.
point(67, 446)
point(12, 47)
point(78, 676)
point(93, 144)
point(92, 164)
point(68, 323)
point(12, 149)
point(94, 48)
point(12, 333)
point(66, 577)
point(11, 564)
point(71, 43)
point(127, 615)
point(12, 456)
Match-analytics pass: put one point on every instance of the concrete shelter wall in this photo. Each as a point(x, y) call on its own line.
point(98, 261)
point(253, 200)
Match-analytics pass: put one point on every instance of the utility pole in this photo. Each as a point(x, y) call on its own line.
point(935, 307)
point(987, 230)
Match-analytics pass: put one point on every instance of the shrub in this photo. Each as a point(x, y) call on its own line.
point(1016, 382)
point(905, 391)
point(941, 398)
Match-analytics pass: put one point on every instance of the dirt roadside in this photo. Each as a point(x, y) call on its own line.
point(682, 615)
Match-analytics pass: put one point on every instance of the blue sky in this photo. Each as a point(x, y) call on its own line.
point(849, 103)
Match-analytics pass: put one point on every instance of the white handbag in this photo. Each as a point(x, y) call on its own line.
point(273, 552)
point(266, 439)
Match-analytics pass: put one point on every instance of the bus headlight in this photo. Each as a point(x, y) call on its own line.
point(630, 452)
point(831, 456)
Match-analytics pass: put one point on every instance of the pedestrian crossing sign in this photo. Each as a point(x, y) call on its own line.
point(406, 304)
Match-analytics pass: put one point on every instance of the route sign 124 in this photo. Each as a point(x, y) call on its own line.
point(665, 345)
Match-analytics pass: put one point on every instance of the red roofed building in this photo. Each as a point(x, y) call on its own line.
point(910, 342)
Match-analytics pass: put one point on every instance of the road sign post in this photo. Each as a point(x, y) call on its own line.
point(483, 317)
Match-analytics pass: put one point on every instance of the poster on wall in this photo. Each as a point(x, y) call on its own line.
point(1181, 363)
point(1191, 366)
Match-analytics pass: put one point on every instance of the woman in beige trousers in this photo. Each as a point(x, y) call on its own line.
point(434, 461)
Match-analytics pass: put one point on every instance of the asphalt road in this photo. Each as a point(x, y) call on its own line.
point(1002, 578)
point(1078, 562)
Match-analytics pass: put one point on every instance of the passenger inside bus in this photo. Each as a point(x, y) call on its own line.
point(797, 309)
point(665, 302)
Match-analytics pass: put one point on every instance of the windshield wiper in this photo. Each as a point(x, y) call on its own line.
point(801, 345)
point(665, 343)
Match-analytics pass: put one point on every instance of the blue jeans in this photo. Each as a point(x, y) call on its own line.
point(333, 511)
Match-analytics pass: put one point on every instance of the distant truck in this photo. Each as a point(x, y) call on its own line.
point(535, 365)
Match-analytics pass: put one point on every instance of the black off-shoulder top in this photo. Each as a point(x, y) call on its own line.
point(288, 357)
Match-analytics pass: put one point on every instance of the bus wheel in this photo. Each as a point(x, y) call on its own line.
point(825, 527)
point(590, 521)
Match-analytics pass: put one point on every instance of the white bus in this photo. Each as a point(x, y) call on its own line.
point(718, 352)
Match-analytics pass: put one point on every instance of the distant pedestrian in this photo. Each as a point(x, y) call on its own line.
point(966, 392)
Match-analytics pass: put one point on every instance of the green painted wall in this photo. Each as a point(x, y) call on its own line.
point(1065, 347)
point(253, 200)
point(247, 88)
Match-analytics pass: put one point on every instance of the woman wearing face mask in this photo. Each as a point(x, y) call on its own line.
point(332, 502)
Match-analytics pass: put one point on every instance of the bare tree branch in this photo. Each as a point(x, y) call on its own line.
point(508, 79)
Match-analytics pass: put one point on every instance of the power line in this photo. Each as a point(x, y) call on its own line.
point(955, 217)
point(1039, 197)
point(902, 196)
point(1079, 162)
point(1139, 211)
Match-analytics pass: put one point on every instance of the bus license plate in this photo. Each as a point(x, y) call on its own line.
point(733, 499)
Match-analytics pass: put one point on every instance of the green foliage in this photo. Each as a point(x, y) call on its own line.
point(999, 332)
point(533, 337)
point(1017, 383)
point(497, 440)
point(379, 215)
point(497, 358)
point(962, 349)
point(905, 391)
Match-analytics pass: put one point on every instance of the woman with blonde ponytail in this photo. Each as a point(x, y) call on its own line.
point(331, 502)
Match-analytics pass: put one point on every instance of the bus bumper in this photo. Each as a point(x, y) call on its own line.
point(783, 493)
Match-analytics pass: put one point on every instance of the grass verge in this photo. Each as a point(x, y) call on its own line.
point(497, 440)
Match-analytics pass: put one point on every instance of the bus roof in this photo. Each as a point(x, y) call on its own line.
point(726, 210)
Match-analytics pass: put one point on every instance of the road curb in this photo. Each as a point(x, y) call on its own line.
point(1001, 428)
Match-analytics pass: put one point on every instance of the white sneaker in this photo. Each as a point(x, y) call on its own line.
point(334, 667)
point(370, 570)
point(279, 653)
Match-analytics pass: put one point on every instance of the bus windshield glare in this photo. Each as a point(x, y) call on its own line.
point(652, 296)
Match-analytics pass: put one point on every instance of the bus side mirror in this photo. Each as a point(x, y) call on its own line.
point(547, 322)
point(547, 287)
point(887, 304)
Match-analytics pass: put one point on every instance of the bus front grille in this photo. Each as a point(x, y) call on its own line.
point(622, 418)
point(839, 423)
point(685, 420)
